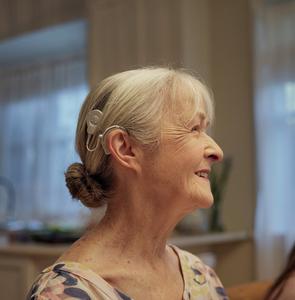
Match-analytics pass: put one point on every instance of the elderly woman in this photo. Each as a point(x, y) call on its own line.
point(142, 140)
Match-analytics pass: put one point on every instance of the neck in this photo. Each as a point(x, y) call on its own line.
point(136, 227)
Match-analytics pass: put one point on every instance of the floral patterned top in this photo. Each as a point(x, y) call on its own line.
point(70, 280)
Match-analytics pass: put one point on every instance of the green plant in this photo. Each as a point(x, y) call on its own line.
point(218, 180)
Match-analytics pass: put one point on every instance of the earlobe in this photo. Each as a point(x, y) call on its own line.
point(122, 148)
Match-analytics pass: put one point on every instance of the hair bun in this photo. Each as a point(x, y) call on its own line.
point(82, 186)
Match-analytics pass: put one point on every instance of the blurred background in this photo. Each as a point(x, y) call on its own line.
point(53, 52)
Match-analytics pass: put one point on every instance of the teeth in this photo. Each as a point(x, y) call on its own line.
point(202, 174)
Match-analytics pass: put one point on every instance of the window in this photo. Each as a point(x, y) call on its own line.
point(39, 107)
point(275, 133)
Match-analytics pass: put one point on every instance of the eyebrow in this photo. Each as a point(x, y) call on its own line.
point(201, 115)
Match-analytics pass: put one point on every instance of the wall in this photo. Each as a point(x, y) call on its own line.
point(20, 16)
point(141, 32)
point(231, 69)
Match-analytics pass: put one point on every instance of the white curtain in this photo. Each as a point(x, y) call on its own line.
point(274, 59)
point(39, 105)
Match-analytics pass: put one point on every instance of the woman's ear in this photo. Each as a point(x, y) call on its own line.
point(123, 148)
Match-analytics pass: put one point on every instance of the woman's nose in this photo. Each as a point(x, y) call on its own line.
point(213, 151)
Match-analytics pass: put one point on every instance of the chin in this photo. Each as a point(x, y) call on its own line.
point(204, 201)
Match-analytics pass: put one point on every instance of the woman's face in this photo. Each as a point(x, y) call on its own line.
point(177, 173)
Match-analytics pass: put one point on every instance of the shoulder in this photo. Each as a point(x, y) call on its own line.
point(58, 282)
point(188, 257)
point(193, 262)
point(199, 277)
point(289, 289)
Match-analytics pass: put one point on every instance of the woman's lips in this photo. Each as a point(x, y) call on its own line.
point(203, 174)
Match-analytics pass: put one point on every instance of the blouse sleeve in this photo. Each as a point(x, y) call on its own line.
point(64, 285)
point(201, 282)
point(215, 284)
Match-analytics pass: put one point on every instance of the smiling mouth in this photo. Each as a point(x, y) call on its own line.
point(203, 174)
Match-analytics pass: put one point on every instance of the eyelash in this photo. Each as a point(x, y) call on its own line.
point(197, 128)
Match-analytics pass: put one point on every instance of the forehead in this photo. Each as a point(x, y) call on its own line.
point(186, 99)
point(193, 100)
point(179, 121)
point(193, 112)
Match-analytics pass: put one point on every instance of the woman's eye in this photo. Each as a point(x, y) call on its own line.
point(196, 128)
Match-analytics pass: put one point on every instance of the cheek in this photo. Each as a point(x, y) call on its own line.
point(193, 157)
